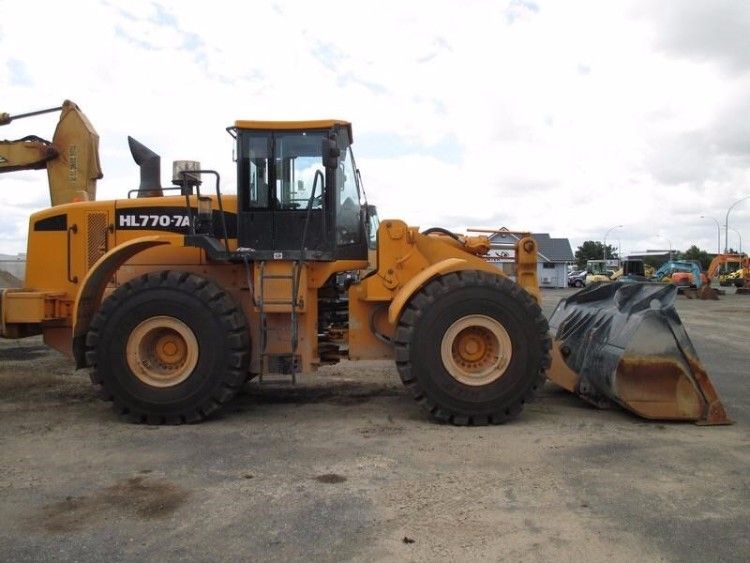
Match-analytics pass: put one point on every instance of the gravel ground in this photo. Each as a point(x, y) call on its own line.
point(346, 467)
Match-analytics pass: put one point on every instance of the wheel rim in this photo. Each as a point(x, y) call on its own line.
point(476, 350)
point(162, 351)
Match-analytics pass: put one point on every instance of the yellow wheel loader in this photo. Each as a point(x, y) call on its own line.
point(175, 296)
point(598, 271)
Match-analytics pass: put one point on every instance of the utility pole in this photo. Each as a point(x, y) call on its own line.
point(726, 222)
point(739, 235)
point(605, 239)
point(718, 232)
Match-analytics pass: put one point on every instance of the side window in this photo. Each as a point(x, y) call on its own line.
point(373, 226)
point(347, 196)
point(295, 187)
point(258, 171)
point(297, 160)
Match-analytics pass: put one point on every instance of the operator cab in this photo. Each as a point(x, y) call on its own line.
point(299, 192)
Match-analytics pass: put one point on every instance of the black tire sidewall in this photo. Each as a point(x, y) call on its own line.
point(440, 386)
point(212, 349)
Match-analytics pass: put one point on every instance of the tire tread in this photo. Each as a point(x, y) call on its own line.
point(427, 297)
point(220, 304)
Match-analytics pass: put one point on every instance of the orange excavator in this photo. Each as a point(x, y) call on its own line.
point(742, 280)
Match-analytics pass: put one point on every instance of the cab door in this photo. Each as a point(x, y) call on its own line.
point(283, 200)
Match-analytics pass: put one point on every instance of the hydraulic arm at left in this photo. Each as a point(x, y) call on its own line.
point(71, 158)
point(28, 153)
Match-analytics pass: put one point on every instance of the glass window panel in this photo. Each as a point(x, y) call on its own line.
point(298, 157)
point(258, 171)
point(348, 224)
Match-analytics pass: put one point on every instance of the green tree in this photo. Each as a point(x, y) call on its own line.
point(695, 253)
point(593, 250)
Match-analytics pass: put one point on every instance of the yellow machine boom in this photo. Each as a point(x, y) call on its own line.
point(71, 159)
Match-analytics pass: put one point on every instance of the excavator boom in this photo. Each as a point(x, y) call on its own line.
point(29, 153)
point(71, 158)
point(742, 261)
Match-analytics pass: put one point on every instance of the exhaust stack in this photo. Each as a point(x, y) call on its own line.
point(150, 164)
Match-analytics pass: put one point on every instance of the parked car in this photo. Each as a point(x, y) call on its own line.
point(577, 278)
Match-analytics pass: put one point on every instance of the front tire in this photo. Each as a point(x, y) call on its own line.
point(168, 348)
point(472, 348)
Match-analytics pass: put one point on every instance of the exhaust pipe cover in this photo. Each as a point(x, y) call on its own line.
point(150, 164)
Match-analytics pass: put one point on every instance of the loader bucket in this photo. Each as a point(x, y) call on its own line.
point(624, 343)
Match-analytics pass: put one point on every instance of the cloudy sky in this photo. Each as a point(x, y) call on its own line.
point(568, 117)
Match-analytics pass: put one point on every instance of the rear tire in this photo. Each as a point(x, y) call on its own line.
point(472, 348)
point(168, 348)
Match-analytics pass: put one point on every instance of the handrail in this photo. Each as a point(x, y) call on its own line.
point(310, 201)
point(74, 230)
point(164, 188)
point(184, 174)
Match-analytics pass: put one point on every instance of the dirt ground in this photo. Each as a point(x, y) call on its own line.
point(346, 467)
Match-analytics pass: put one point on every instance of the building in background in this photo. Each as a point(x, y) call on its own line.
point(555, 255)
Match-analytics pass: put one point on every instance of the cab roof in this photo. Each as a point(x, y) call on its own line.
point(291, 125)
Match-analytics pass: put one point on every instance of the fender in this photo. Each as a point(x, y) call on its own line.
point(90, 293)
point(437, 269)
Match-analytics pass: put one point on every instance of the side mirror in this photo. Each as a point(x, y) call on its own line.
point(331, 153)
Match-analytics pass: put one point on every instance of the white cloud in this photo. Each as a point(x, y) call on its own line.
point(560, 117)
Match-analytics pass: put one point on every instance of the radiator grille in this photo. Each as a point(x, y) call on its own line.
point(96, 224)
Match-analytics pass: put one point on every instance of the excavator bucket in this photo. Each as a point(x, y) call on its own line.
point(624, 343)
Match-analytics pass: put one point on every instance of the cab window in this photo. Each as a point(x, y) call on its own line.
point(348, 201)
point(298, 158)
point(258, 172)
point(279, 169)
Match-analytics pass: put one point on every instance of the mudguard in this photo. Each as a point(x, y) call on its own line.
point(90, 293)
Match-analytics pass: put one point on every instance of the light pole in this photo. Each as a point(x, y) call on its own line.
point(605, 239)
point(670, 246)
point(718, 233)
point(739, 235)
point(726, 222)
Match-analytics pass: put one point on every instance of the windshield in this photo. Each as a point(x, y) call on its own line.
point(596, 267)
